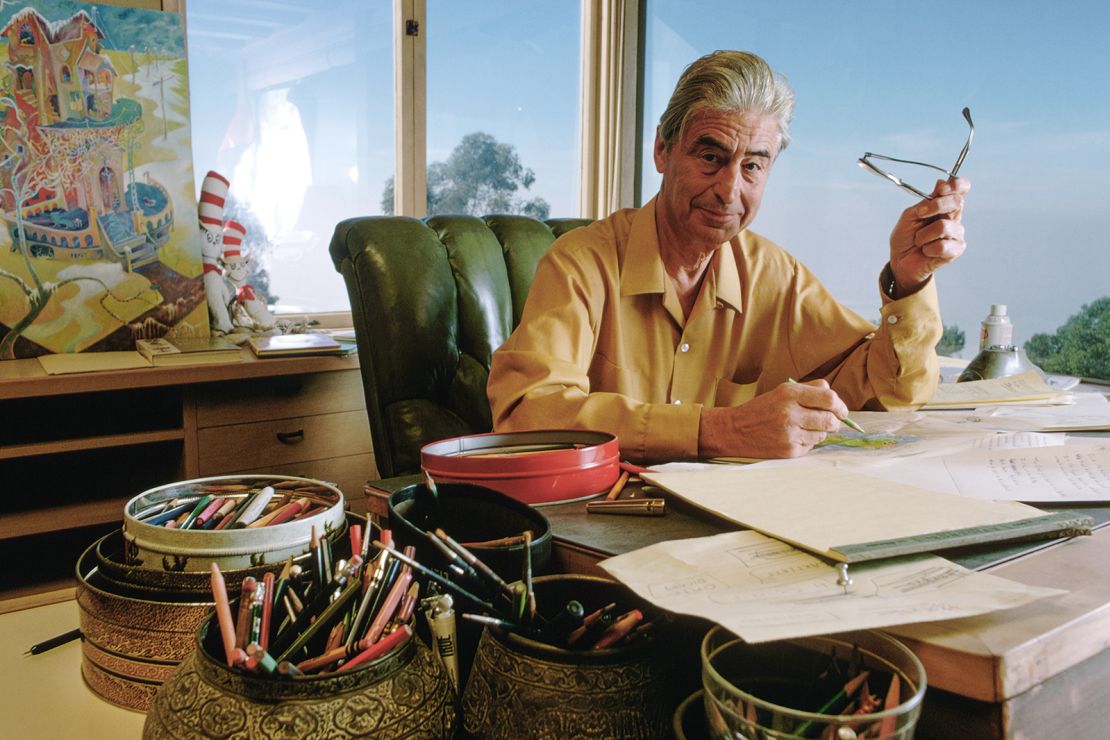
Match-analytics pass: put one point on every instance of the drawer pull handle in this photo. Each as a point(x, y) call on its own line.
point(291, 437)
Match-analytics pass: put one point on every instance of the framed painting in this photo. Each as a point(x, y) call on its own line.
point(99, 244)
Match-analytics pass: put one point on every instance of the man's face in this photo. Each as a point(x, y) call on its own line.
point(713, 178)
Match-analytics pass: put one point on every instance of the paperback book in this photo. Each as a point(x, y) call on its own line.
point(167, 351)
point(288, 345)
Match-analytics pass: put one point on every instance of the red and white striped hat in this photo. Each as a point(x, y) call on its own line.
point(233, 238)
point(213, 195)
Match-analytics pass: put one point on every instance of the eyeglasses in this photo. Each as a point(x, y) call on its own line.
point(866, 163)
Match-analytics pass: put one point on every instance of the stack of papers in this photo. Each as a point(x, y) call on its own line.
point(1029, 387)
point(762, 589)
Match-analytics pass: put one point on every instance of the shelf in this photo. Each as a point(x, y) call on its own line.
point(26, 378)
point(59, 518)
point(12, 452)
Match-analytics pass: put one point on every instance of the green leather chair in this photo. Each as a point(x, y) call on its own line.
point(430, 301)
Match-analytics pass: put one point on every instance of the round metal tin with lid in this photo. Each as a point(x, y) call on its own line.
point(540, 467)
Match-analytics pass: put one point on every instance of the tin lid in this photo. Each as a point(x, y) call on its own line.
point(539, 467)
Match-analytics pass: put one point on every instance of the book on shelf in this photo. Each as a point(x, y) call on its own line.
point(167, 351)
point(291, 345)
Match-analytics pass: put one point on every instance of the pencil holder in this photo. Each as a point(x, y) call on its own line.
point(520, 687)
point(157, 547)
point(861, 684)
point(138, 624)
point(133, 639)
point(404, 693)
point(471, 515)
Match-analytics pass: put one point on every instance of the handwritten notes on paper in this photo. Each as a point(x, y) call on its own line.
point(1076, 472)
point(763, 589)
point(1052, 474)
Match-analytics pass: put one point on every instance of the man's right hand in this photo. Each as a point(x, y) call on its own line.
point(785, 422)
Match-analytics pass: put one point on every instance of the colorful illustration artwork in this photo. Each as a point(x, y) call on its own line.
point(100, 243)
point(849, 440)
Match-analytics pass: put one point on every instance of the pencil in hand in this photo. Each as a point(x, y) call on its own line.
point(845, 421)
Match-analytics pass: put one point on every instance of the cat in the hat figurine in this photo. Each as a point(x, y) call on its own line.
point(213, 195)
point(247, 310)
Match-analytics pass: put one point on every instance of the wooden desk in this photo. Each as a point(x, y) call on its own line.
point(75, 448)
point(1041, 670)
point(44, 696)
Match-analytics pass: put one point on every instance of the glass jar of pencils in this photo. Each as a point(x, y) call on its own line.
point(403, 693)
point(566, 681)
point(853, 685)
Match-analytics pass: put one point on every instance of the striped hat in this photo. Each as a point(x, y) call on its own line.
point(233, 238)
point(213, 195)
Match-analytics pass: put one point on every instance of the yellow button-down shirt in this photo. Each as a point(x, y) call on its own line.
point(602, 343)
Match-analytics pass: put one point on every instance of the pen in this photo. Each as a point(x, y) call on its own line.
point(484, 570)
point(53, 642)
point(846, 421)
point(632, 506)
point(493, 621)
point(432, 575)
point(526, 578)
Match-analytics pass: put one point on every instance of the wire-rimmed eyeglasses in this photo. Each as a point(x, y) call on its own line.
point(866, 163)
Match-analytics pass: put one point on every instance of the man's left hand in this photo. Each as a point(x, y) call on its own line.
point(928, 236)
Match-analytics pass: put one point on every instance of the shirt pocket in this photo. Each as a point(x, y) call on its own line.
point(732, 394)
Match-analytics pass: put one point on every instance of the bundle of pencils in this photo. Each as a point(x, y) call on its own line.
point(215, 507)
point(485, 597)
point(321, 617)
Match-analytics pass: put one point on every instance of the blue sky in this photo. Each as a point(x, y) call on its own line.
point(891, 77)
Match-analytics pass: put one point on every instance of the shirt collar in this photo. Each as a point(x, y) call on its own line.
point(643, 271)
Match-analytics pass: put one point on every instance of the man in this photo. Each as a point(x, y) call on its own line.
point(680, 331)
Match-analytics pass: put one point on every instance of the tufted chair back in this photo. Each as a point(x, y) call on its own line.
point(430, 301)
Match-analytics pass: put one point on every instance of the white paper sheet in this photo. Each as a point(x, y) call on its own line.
point(763, 589)
point(1029, 387)
point(826, 509)
point(1076, 472)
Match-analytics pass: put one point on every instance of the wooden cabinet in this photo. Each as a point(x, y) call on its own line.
point(75, 448)
point(310, 425)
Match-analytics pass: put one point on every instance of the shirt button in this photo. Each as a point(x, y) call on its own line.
point(684, 347)
point(677, 402)
point(892, 319)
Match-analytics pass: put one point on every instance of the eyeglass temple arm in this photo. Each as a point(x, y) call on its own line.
point(862, 162)
point(967, 145)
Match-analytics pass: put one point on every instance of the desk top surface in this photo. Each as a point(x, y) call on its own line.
point(27, 379)
point(44, 696)
point(991, 657)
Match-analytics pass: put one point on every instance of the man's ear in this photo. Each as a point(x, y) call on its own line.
point(660, 152)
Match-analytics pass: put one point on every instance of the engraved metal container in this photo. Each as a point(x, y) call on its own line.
point(405, 693)
point(133, 640)
point(139, 623)
point(519, 687)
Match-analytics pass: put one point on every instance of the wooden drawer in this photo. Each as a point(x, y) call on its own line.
point(238, 447)
point(348, 473)
point(240, 402)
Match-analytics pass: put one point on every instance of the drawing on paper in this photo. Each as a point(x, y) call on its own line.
point(95, 172)
point(850, 440)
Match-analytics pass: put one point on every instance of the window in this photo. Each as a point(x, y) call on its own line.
point(293, 103)
point(502, 107)
point(295, 107)
point(875, 77)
